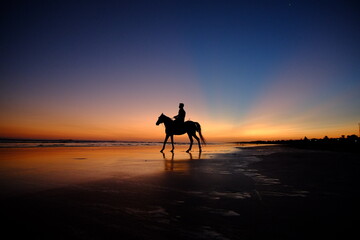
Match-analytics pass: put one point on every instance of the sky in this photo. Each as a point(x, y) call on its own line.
point(245, 70)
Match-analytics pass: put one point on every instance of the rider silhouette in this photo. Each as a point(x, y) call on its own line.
point(180, 118)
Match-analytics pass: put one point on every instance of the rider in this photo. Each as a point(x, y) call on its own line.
point(180, 118)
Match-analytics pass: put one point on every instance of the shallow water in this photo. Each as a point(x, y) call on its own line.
point(30, 169)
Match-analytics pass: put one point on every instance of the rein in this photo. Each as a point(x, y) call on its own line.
point(167, 120)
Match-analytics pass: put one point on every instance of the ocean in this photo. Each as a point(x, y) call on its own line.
point(72, 143)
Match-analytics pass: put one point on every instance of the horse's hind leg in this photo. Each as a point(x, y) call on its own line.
point(198, 140)
point(172, 143)
point(191, 142)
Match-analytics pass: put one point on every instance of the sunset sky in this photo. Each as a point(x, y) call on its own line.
point(245, 70)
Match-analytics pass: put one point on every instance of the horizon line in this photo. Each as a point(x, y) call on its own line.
point(112, 140)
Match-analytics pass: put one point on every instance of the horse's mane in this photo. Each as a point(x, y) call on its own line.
point(168, 118)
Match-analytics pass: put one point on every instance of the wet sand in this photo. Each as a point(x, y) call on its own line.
point(268, 192)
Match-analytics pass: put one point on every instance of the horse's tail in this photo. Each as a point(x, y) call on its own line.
point(198, 129)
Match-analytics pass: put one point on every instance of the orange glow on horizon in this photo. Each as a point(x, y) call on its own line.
point(212, 131)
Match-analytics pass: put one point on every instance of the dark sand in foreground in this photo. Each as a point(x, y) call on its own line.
point(269, 192)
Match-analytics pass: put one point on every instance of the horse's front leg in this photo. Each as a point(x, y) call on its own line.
point(191, 142)
point(166, 138)
point(172, 143)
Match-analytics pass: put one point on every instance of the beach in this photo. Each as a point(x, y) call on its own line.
point(227, 192)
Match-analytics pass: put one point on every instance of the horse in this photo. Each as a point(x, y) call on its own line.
point(189, 127)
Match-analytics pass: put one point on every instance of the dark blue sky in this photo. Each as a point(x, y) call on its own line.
point(231, 61)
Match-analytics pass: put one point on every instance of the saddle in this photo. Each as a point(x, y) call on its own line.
point(179, 126)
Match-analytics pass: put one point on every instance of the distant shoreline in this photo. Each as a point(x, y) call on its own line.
point(349, 144)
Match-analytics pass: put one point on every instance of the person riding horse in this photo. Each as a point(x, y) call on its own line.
point(180, 127)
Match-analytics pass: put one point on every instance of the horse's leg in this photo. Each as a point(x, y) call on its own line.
point(198, 140)
point(166, 138)
point(172, 143)
point(191, 142)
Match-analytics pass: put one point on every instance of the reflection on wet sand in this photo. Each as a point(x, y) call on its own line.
point(40, 168)
point(135, 193)
point(178, 164)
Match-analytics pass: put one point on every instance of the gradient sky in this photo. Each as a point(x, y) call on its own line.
point(246, 70)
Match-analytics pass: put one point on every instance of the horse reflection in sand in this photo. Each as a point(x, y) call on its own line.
point(181, 164)
point(189, 127)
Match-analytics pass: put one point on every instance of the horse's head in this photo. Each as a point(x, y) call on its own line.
point(160, 119)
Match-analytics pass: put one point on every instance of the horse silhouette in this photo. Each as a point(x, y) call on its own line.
point(189, 127)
